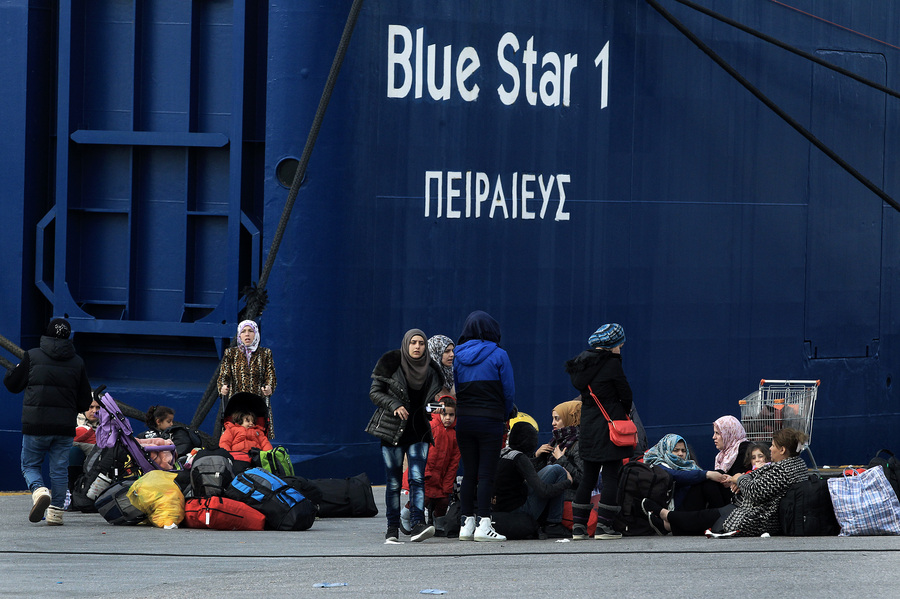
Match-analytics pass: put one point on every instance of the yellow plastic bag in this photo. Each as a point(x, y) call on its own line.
point(157, 495)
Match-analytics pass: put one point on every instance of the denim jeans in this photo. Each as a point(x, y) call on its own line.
point(535, 505)
point(56, 448)
point(416, 455)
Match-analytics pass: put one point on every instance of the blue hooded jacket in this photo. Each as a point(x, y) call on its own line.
point(482, 370)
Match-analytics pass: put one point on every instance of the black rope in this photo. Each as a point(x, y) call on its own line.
point(311, 139)
point(256, 296)
point(772, 106)
point(789, 48)
point(11, 347)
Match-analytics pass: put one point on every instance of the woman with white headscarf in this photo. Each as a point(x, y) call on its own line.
point(247, 367)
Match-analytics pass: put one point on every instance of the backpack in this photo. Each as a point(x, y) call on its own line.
point(115, 507)
point(276, 460)
point(346, 497)
point(806, 509)
point(891, 467)
point(211, 473)
point(222, 513)
point(514, 525)
point(637, 480)
point(284, 507)
point(185, 439)
point(448, 525)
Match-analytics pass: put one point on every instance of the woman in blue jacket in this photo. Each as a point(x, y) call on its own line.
point(484, 394)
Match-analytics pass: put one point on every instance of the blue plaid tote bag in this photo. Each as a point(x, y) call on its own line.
point(865, 504)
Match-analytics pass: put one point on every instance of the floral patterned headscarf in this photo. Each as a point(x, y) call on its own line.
point(248, 349)
point(437, 345)
point(662, 453)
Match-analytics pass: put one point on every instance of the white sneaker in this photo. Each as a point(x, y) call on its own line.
point(486, 533)
point(40, 499)
point(54, 516)
point(467, 532)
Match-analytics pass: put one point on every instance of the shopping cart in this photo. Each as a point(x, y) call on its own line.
point(777, 405)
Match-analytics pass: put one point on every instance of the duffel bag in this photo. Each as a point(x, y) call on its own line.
point(284, 507)
point(115, 507)
point(222, 513)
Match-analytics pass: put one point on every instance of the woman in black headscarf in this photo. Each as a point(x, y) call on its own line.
point(403, 381)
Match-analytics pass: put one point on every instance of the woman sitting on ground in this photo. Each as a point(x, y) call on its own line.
point(694, 488)
point(563, 447)
point(754, 510)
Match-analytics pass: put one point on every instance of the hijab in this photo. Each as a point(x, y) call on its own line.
point(566, 435)
point(414, 369)
point(480, 325)
point(569, 412)
point(662, 453)
point(248, 349)
point(437, 345)
point(733, 434)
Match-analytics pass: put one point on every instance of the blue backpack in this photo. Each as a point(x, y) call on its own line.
point(281, 502)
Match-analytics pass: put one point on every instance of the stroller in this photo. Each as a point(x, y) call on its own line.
point(115, 430)
point(246, 402)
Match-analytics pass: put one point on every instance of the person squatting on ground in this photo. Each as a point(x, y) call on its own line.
point(249, 368)
point(518, 487)
point(599, 370)
point(443, 460)
point(563, 448)
point(403, 381)
point(758, 493)
point(56, 388)
point(485, 396)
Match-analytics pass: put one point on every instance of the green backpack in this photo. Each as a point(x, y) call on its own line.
point(276, 460)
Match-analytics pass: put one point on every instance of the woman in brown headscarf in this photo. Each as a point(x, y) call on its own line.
point(563, 447)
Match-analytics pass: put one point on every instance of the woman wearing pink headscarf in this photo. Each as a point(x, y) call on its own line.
point(731, 441)
point(247, 367)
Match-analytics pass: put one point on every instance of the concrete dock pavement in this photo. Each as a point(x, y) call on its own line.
point(89, 558)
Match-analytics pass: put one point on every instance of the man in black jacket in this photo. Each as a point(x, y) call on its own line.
point(56, 389)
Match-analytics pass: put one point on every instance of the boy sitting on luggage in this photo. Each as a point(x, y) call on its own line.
point(242, 434)
point(443, 460)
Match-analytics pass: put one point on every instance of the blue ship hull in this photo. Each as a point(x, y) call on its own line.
point(558, 167)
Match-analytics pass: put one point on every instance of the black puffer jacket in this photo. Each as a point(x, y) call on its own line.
point(602, 371)
point(56, 388)
point(389, 392)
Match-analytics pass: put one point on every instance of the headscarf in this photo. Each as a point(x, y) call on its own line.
point(248, 349)
point(733, 434)
point(414, 369)
point(437, 345)
point(569, 412)
point(662, 453)
point(566, 435)
point(480, 325)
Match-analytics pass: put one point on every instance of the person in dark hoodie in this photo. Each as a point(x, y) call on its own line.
point(518, 487)
point(403, 381)
point(56, 389)
point(485, 393)
point(598, 372)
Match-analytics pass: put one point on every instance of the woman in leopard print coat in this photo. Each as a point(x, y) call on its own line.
point(247, 367)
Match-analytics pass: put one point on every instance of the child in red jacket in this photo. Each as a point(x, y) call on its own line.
point(443, 460)
point(243, 434)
